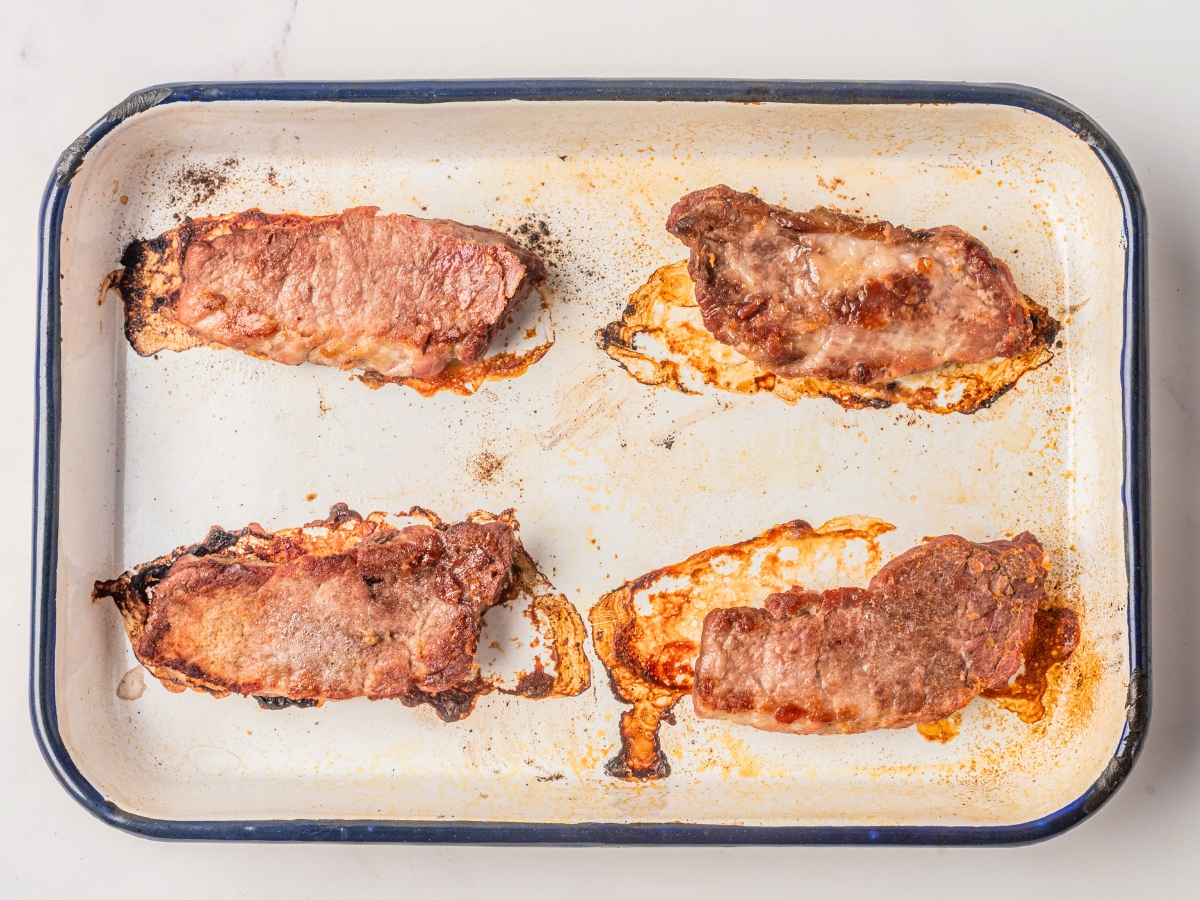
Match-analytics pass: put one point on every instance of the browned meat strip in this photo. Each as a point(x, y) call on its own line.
point(364, 609)
point(829, 295)
point(391, 295)
point(936, 626)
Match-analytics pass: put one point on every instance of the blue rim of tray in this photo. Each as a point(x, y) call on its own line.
point(1135, 490)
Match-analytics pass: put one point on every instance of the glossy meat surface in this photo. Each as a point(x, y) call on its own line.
point(936, 626)
point(829, 295)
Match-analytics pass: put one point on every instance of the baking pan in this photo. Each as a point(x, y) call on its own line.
point(610, 478)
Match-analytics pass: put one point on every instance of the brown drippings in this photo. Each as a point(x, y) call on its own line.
point(466, 380)
point(942, 731)
point(454, 704)
point(650, 656)
point(665, 310)
point(558, 624)
point(153, 277)
point(560, 628)
point(536, 684)
point(1054, 639)
point(110, 282)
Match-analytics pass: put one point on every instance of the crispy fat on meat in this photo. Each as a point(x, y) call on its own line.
point(393, 295)
point(831, 296)
point(363, 609)
point(938, 625)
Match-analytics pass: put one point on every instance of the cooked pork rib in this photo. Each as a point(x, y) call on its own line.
point(829, 295)
point(364, 609)
point(936, 626)
point(391, 295)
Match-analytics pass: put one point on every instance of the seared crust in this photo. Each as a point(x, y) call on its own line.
point(364, 609)
point(937, 626)
point(826, 295)
point(394, 296)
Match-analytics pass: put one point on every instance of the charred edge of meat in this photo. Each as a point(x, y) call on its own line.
point(131, 590)
point(151, 280)
point(286, 702)
point(1045, 326)
point(453, 704)
point(982, 383)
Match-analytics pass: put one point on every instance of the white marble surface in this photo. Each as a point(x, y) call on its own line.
point(1137, 72)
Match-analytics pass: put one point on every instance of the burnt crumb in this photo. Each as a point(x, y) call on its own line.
point(533, 233)
point(285, 702)
point(197, 183)
point(555, 777)
point(666, 442)
point(486, 467)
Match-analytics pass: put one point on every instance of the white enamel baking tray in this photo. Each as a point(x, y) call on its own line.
point(610, 478)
